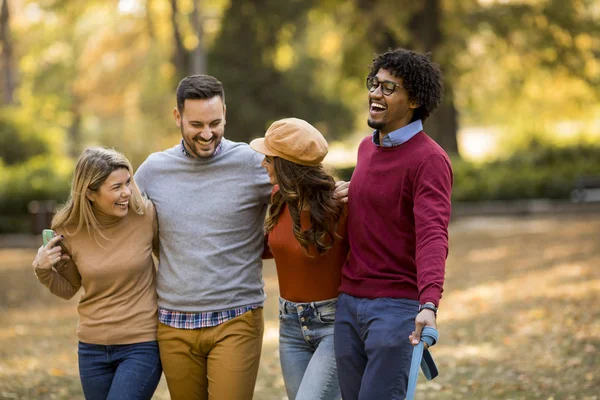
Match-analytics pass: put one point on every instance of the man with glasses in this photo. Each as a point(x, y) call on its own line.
point(398, 231)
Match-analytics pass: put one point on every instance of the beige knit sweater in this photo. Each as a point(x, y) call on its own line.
point(118, 304)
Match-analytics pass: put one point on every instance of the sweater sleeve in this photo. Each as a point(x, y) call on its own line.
point(63, 282)
point(342, 230)
point(261, 178)
point(155, 242)
point(141, 175)
point(266, 249)
point(432, 207)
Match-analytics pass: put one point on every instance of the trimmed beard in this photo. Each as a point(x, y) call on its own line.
point(375, 124)
point(192, 149)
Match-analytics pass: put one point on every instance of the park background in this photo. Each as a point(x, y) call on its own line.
point(520, 119)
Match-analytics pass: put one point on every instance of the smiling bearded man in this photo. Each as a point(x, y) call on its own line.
point(211, 196)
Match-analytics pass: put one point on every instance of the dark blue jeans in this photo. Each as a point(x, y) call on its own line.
point(372, 349)
point(124, 371)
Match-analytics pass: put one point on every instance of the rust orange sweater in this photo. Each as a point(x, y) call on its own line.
point(118, 304)
point(303, 278)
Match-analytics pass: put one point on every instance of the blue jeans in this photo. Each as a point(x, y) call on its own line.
point(372, 349)
point(306, 350)
point(124, 371)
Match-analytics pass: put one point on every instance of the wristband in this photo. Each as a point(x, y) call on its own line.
point(428, 306)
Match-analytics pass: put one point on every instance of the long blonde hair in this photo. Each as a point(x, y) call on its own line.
point(94, 165)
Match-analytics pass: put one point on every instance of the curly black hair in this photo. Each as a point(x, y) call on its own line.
point(421, 77)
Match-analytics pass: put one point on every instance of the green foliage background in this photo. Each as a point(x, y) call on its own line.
point(105, 72)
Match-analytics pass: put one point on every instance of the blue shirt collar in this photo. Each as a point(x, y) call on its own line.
point(399, 136)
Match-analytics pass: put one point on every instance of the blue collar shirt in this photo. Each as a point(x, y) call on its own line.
point(399, 136)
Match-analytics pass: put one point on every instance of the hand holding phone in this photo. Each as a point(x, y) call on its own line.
point(47, 235)
point(51, 252)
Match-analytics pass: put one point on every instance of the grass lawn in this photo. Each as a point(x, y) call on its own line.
point(519, 319)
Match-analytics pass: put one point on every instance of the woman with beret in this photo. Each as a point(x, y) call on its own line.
point(306, 235)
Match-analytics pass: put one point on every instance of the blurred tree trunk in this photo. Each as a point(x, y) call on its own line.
point(427, 36)
point(181, 57)
point(9, 80)
point(149, 21)
point(188, 62)
point(74, 130)
point(198, 56)
point(72, 14)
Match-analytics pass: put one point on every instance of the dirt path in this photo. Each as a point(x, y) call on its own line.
point(520, 318)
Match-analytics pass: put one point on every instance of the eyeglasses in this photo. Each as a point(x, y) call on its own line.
point(387, 87)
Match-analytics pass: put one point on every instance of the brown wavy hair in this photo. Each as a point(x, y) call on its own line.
point(306, 187)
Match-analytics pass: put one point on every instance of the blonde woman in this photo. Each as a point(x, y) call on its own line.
point(106, 233)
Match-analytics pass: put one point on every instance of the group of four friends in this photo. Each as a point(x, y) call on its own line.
point(360, 266)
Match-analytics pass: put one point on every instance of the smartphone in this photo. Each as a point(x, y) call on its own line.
point(47, 235)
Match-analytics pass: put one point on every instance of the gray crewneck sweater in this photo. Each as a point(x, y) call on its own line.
point(210, 223)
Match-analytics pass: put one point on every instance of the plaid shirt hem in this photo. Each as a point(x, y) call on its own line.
point(192, 320)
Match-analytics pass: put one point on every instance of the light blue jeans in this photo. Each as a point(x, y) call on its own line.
point(306, 350)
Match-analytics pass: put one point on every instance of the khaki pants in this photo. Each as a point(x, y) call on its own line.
point(216, 363)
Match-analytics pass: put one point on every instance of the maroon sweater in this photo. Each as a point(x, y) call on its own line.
point(398, 217)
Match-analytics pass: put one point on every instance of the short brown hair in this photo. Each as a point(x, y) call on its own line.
point(198, 87)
